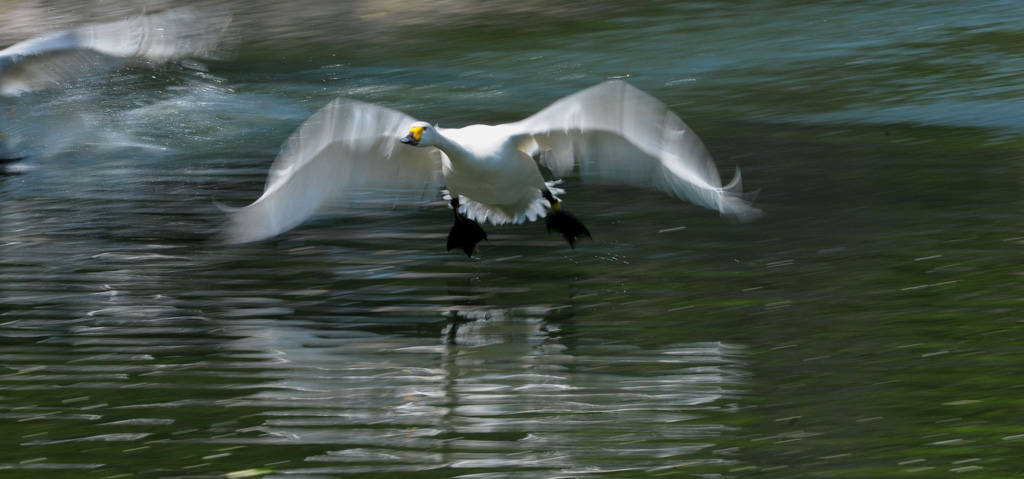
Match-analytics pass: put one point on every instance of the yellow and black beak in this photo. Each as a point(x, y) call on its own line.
point(414, 136)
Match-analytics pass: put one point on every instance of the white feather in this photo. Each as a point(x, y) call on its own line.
point(614, 132)
point(346, 148)
point(63, 56)
point(617, 134)
point(531, 208)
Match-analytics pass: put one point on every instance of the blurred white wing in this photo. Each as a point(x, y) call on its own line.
point(620, 135)
point(345, 152)
point(63, 56)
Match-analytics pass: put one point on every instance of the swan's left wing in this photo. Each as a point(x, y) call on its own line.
point(68, 55)
point(346, 153)
point(617, 134)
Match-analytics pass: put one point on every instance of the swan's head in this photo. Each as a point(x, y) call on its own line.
point(420, 134)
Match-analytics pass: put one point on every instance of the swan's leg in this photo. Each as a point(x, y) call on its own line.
point(564, 221)
point(465, 233)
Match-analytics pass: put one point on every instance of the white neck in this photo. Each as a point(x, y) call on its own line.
point(455, 151)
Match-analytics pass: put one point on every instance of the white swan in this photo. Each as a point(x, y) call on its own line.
point(614, 133)
point(61, 57)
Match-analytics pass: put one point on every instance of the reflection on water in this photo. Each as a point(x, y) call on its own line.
point(473, 389)
point(506, 393)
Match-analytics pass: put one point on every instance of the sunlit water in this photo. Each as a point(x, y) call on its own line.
point(869, 326)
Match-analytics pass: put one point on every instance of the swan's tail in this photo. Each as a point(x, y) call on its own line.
point(527, 209)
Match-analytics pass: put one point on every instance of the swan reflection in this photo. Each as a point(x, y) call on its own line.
point(498, 387)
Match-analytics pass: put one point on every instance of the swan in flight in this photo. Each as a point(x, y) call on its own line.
point(613, 132)
point(64, 56)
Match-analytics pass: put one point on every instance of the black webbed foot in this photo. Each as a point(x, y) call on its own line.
point(567, 224)
point(465, 233)
point(564, 221)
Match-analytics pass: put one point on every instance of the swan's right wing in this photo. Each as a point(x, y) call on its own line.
point(345, 153)
point(68, 55)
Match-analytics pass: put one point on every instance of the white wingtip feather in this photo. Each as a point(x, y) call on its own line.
point(735, 204)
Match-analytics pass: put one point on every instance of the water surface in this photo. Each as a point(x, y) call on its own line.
point(868, 326)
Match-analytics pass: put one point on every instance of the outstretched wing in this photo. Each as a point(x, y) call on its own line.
point(63, 56)
point(618, 134)
point(346, 152)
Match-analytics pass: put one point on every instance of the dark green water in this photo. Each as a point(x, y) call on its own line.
point(869, 326)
